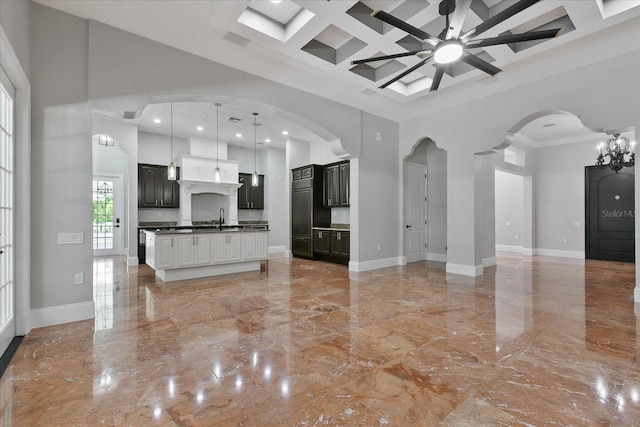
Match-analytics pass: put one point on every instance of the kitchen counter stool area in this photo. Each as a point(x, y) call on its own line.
point(190, 254)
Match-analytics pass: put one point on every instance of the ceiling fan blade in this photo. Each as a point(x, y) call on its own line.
point(398, 23)
point(404, 73)
point(457, 19)
point(514, 38)
point(437, 78)
point(480, 64)
point(382, 58)
point(499, 17)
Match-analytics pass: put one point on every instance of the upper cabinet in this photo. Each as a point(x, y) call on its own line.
point(250, 197)
point(154, 188)
point(336, 185)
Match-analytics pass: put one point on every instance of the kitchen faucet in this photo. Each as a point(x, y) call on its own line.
point(221, 217)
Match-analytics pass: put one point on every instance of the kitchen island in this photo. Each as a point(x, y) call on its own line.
point(192, 253)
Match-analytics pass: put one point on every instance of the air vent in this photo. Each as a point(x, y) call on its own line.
point(234, 38)
point(130, 115)
point(234, 120)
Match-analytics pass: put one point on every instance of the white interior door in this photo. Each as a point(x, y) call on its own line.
point(415, 198)
point(7, 285)
point(107, 215)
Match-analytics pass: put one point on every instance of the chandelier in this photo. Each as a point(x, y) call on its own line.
point(617, 148)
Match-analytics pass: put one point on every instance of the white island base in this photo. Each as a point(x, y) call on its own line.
point(192, 254)
point(170, 275)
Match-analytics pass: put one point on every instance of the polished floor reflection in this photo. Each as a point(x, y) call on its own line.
point(535, 341)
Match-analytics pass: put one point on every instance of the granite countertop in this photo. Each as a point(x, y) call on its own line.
point(199, 224)
point(334, 227)
point(206, 230)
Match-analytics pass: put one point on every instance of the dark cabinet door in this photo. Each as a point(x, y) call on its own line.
point(250, 197)
point(148, 176)
point(340, 243)
point(345, 177)
point(169, 190)
point(243, 192)
point(257, 194)
point(154, 188)
point(322, 242)
point(331, 186)
point(301, 206)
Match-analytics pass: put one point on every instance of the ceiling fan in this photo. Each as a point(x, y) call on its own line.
point(449, 46)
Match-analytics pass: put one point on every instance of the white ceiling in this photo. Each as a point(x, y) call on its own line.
point(187, 116)
point(199, 27)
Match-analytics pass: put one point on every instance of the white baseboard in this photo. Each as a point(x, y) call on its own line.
point(432, 256)
point(464, 270)
point(172, 275)
point(488, 262)
point(509, 248)
point(527, 251)
point(277, 249)
point(288, 254)
point(559, 253)
point(374, 264)
point(132, 260)
point(636, 297)
point(49, 316)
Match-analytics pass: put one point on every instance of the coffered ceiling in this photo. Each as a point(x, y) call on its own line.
point(309, 44)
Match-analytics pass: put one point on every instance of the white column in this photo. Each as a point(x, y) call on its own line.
point(184, 214)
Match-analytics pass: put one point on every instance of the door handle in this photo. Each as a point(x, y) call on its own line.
point(407, 226)
point(116, 226)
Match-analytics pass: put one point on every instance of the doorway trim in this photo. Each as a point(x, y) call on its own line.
point(9, 61)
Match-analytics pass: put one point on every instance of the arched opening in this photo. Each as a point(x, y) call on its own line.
point(542, 168)
point(425, 202)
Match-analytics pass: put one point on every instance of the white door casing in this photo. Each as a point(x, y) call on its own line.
point(7, 200)
point(415, 198)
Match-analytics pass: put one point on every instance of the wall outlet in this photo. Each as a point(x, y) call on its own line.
point(508, 223)
point(516, 237)
point(379, 246)
point(79, 278)
point(565, 240)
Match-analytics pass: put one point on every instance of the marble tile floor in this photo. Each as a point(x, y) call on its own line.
point(534, 341)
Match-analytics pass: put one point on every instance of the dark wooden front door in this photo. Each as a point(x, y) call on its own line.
point(610, 214)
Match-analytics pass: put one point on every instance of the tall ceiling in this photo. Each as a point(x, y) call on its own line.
point(309, 44)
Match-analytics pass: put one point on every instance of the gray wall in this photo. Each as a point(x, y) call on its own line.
point(14, 18)
point(378, 194)
point(276, 196)
point(558, 192)
point(61, 158)
point(509, 208)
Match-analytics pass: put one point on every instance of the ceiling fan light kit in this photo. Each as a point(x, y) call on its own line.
point(449, 46)
point(448, 52)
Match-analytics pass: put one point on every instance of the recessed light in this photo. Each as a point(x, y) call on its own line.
point(157, 121)
point(238, 135)
point(267, 140)
point(284, 132)
point(276, 1)
point(200, 128)
point(548, 125)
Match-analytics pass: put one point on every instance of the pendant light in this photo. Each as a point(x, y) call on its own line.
point(171, 170)
point(254, 178)
point(216, 173)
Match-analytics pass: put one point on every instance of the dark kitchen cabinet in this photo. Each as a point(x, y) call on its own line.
point(250, 197)
point(322, 242)
point(345, 182)
point(307, 210)
point(154, 188)
point(336, 185)
point(331, 245)
point(340, 244)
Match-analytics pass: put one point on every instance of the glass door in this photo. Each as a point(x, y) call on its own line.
point(7, 286)
point(106, 216)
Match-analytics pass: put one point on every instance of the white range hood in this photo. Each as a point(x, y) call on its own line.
point(196, 177)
